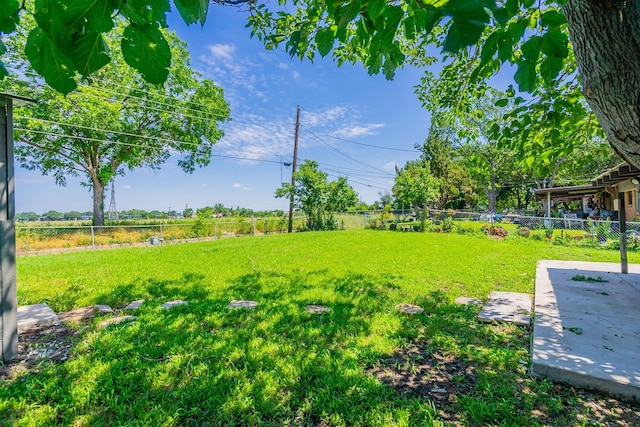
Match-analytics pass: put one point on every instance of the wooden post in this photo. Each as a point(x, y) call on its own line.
point(622, 217)
point(8, 295)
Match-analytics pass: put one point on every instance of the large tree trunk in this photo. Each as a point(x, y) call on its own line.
point(98, 203)
point(606, 40)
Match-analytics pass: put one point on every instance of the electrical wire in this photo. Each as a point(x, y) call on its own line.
point(362, 143)
point(84, 138)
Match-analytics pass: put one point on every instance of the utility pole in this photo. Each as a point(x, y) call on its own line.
point(293, 170)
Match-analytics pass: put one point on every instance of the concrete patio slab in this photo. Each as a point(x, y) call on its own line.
point(36, 316)
point(511, 307)
point(134, 305)
point(586, 330)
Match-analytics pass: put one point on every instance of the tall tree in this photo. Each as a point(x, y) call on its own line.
point(415, 186)
point(116, 121)
point(318, 198)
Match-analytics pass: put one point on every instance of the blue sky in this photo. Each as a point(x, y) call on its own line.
point(342, 108)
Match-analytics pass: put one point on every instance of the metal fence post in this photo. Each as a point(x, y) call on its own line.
point(215, 230)
point(161, 231)
point(93, 238)
point(266, 226)
point(253, 225)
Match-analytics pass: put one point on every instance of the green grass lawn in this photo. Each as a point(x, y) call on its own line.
point(202, 364)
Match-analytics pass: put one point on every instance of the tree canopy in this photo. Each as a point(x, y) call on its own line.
point(115, 120)
point(547, 41)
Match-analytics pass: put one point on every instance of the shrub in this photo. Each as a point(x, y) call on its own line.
point(523, 231)
point(498, 231)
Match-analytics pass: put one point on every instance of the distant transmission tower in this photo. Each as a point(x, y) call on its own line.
point(113, 212)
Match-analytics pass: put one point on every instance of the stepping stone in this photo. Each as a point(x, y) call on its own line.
point(317, 309)
point(135, 305)
point(170, 304)
point(468, 301)
point(77, 315)
point(116, 320)
point(35, 316)
point(242, 304)
point(410, 308)
point(103, 309)
point(510, 307)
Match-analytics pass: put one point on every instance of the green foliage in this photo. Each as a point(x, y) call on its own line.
point(115, 121)
point(415, 186)
point(318, 198)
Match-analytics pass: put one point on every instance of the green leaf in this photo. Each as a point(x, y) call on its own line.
point(346, 14)
point(3, 48)
point(9, 16)
point(462, 34)
point(513, 6)
point(531, 48)
point(3, 71)
point(490, 47)
point(505, 47)
point(49, 61)
point(52, 17)
point(192, 11)
point(93, 16)
point(526, 76)
point(555, 43)
point(145, 49)
point(432, 18)
point(324, 41)
point(553, 18)
point(375, 8)
point(142, 12)
point(550, 68)
point(502, 102)
point(89, 53)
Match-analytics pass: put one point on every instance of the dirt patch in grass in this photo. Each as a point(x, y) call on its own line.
point(418, 370)
point(37, 346)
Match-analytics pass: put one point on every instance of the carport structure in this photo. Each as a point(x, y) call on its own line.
point(617, 188)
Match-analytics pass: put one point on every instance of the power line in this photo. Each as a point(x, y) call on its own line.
point(84, 138)
point(363, 144)
point(348, 156)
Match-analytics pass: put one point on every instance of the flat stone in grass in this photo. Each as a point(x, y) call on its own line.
point(35, 316)
point(410, 308)
point(78, 314)
point(116, 320)
point(175, 303)
point(317, 309)
point(510, 307)
point(135, 305)
point(242, 304)
point(468, 301)
point(103, 309)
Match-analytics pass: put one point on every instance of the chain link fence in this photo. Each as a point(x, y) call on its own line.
point(568, 230)
point(39, 239)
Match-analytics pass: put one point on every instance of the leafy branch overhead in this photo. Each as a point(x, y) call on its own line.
point(69, 36)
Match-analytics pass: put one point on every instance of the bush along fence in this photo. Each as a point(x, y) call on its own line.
point(562, 231)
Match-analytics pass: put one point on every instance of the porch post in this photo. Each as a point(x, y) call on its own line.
point(622, 217)
point(8, 296)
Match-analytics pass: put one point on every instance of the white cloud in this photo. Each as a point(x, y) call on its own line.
point(126, 187)
point(224, 52)
point(296, 75)
point(355, 131)
point(283, 65)
point(237, 185)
